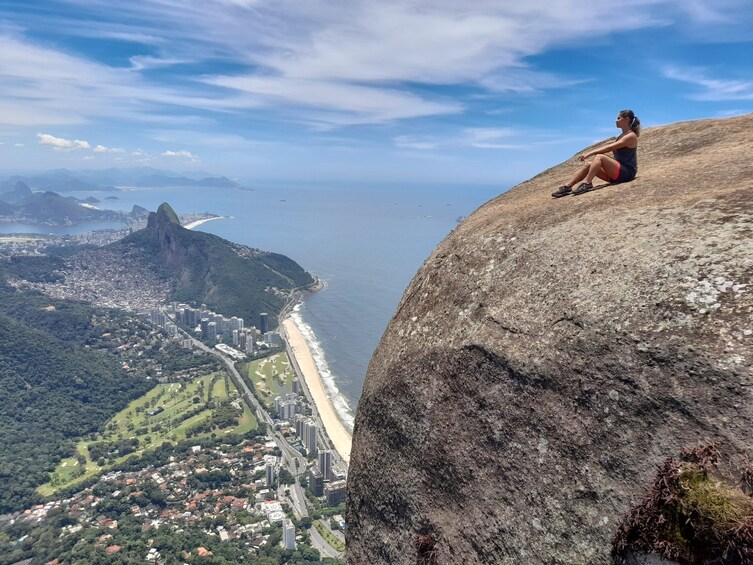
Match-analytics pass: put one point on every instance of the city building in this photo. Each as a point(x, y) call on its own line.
point(288, 534)
point(212, 331)
point(309, 437)
point(204, 328)
point(324, 461)
point(336, 492)
point(296, 386)
point(270, 468)
point(316, 481)
point(272, 338)
point(287, 407)
point(263, 323)
point(298, 421)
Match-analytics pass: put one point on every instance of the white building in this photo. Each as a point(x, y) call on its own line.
point(288, 534)
point(309, 437)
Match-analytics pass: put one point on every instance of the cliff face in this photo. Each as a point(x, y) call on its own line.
point(550, 354)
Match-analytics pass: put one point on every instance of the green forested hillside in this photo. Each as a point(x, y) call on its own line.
point(230, 279)
point(54, 389)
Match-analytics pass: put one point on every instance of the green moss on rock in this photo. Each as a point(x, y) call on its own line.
point(690, 516)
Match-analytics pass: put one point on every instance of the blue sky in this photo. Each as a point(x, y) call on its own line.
point(375, 91)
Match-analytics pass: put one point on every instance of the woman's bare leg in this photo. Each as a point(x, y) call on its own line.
point(603, 167)
point(579, 176)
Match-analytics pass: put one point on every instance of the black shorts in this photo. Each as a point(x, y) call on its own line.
point(624, 174)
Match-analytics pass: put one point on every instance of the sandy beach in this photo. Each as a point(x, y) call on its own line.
point(336, 431)
point(197, 223)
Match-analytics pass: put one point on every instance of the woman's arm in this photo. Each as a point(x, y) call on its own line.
point(629, 139)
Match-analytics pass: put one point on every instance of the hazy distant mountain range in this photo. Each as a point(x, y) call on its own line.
point(110, 180)
point(21, 204)
point(37, 199)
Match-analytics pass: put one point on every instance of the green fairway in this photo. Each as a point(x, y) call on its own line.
point(170, 412)
point(271, 376)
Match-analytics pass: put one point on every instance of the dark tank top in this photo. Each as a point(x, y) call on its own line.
point(627, 157)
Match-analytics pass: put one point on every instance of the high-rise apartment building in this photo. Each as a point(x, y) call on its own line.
point(324, 461)
point(288, 534)
point(336, 492)
point(309, 437)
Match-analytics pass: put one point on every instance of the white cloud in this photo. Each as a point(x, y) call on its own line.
point(103, 149)
point(142, 62)
point(411, 142)
point(202, 138)
point(61, 143)
point(323, 63)
point(353, 103)
point(18, 145)
point(711, 89)
point(482, 138)
point(180, 154)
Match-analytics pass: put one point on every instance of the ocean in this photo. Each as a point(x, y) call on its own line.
point(364, 242)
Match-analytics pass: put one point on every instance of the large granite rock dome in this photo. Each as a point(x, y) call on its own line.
point(550, 354)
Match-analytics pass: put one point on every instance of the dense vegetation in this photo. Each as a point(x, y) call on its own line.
point(43, 541)
point(55, 390)
point(230, 279)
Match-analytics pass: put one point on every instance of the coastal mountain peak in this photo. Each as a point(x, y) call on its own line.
point(163, 216)
point(230, 279)
point(551, 354)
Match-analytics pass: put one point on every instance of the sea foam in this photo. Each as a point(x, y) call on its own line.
point(340, 403)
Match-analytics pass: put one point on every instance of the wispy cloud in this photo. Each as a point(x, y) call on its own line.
point(329, 65)
point(204, 139)
point(479, 138)
point(354, 103)
point(326, 65)
point(145, 62)
point(711, 89)
point(483, 138)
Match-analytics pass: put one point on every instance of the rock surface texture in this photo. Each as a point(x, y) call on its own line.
point(550, 354)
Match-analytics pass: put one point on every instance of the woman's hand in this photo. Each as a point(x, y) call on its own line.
point(584, 156)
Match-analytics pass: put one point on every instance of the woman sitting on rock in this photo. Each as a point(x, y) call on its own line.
point(620, 168)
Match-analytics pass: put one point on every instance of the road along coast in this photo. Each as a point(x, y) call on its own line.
point(333, 426)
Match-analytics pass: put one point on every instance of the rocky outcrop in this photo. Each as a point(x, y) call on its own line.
point(231, 279)
point(550, 354)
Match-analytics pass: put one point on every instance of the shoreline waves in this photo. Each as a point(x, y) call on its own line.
point(331, 406)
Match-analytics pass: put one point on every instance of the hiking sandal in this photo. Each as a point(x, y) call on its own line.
point(583, 188)
point(564, 190)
